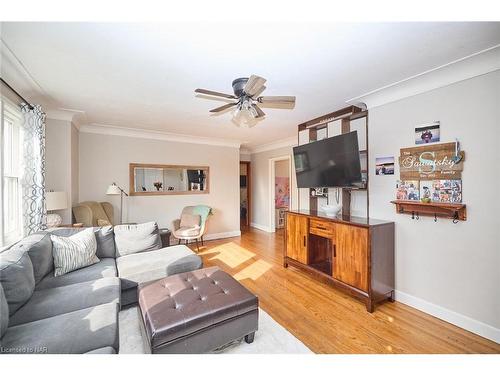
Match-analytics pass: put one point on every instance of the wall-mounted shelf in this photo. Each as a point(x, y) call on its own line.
point(455, 211)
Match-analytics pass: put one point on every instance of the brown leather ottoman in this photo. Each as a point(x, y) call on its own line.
point(196, 312)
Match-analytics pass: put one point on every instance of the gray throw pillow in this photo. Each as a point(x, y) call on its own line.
point(131, 239)
point(17, 278)
point(105, 237)
point(39, 248)
point(74, 252)
point(4, 312)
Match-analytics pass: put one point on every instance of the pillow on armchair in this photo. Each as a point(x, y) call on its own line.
point(190, 221)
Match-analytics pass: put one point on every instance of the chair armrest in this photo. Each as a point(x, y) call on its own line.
point(83, 214)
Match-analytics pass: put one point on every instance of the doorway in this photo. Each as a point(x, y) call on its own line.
point(280, 172)
point(245, 194)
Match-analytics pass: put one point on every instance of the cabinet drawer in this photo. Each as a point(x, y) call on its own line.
point(321, 228)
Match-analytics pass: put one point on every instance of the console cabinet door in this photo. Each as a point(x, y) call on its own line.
point(297, 237)
point(350, 262)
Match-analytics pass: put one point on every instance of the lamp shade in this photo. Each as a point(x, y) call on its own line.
point(113, 190)
point(56, 200)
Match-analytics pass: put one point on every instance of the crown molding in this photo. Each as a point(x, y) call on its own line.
point(286, 142)
point(157, 135)
point(474, 65)
point(76, 117)
point(244, 151)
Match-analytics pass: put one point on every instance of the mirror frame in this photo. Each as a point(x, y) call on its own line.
point(132, 191)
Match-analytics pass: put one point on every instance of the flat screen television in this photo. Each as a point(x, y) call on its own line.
point(331, 162)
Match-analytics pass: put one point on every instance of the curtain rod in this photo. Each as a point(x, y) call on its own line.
point(17, 94)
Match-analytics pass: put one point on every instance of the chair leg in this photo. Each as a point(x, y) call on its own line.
point(178, 243)
point(197, 246)
point(201, 240)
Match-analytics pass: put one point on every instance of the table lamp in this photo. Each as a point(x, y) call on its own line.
point(114, 189)
point(55, 200)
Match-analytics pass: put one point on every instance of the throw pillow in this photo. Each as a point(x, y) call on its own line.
point(136, 238)
point(190, 221)
point(74, 252)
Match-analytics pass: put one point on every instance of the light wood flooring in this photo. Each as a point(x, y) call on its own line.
point(327, 320)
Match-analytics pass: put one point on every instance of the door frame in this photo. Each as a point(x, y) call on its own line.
point(272, 176)
point(249, 192)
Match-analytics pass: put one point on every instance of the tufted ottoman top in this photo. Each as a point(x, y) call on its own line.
point(182, 304)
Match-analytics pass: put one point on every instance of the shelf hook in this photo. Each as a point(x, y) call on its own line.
point(413, 215)
point(435, 218)
point(455, 217)
point(417, 217)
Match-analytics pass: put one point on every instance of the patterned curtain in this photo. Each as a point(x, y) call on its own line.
point(33, 181)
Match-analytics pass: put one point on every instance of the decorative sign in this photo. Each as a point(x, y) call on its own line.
point(431, 162)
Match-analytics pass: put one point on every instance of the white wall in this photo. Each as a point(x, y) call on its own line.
point(61, 152)
point(454, 269)
point(282, 168)
point(105, 159)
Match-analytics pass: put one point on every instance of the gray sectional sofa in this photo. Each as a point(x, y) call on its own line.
point(78, 312)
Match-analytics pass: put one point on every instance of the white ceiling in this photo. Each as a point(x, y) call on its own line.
point(144, 75)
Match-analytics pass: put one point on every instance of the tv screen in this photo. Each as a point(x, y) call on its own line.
point(331, 162)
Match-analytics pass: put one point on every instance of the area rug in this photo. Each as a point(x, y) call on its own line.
point(271, 338)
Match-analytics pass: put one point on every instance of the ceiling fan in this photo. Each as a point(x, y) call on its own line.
point(246, 96)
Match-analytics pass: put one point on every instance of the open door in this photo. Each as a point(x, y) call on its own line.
point(245, 194)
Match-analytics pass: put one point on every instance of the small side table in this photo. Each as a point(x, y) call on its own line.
point(165, 237)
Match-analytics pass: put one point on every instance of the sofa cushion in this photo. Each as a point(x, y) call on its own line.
point(17, 277)
point(104, 236)
point(105, 350)
point(131, 239)
point(75, 332)
point(154, 265)
point(74, 252)
point(39, 248)
point(4, 312)
point(105, 268)
point(47, 303)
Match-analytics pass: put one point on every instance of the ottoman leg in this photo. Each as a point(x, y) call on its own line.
point(249, 338)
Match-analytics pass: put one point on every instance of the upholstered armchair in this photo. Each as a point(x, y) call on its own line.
point(94, 214)
point(192, 224)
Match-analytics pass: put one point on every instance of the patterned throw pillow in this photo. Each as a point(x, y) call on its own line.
point(74, 252)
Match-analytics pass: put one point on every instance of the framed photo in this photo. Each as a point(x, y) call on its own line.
point(384, 165)
point(427, 133)
point(408, 190)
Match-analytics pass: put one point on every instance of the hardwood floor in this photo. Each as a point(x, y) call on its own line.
point(327, 320)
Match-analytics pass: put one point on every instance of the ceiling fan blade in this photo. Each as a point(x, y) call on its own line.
point(214, 93)
point(223, 108)
point(276, 99)
point(260, 112)
point(259, 91)
point(253, 84)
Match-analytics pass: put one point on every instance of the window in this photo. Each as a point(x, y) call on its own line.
point(11, 170)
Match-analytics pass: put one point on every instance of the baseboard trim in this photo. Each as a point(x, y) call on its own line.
point(462, 321)
point(218, 236)
point(261, 227)
point(211, 236)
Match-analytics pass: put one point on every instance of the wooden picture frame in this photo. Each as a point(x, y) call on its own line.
point(133, 166)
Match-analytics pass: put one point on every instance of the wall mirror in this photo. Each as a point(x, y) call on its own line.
point(160, 179)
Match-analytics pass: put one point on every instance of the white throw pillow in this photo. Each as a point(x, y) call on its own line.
point(74, 252)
